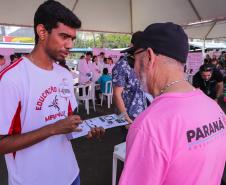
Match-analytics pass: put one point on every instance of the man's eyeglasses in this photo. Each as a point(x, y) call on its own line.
point(131, 60)
point(144, 49)
point(137, 52)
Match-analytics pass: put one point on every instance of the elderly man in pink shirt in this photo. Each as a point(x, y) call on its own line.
point(180, 138)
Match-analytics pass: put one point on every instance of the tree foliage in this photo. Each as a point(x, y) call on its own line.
point(102, 40)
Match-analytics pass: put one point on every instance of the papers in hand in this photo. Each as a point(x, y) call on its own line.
point(108, 121)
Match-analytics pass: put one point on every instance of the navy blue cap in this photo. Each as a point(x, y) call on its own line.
point(168, 39)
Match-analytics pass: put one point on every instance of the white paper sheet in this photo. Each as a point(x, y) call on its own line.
point(107, 121)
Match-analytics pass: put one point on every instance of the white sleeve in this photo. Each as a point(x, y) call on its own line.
point(81, 67)
point(10, 106)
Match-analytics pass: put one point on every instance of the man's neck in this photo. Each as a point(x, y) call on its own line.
point(174, 83)
point(39, 57)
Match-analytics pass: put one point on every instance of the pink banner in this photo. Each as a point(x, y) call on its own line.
point(194, 61)
point(114, 54)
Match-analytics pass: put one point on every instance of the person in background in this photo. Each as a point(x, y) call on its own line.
point(127, 92)
point(216, 64)
point(2, 62)
point(209, 80)
point(208, 59)
point(85, 71)
point(104, 62)
point(37, 105)
point(222, 59)
point(180, 138)
point(104, 78)
point(82, 57)
point(85, 68)
point(63, 64)
point(110, 65)
point(13, 58)
point(214, 57)
point(101, 59)
point(96, 68)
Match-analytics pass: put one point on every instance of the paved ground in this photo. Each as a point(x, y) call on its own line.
point(94, 157)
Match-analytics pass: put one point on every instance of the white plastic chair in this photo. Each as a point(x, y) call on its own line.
point(107, 94)
point(118, 154)
point(86, 97)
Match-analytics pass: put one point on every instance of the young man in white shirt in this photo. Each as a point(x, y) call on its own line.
point(37, 103)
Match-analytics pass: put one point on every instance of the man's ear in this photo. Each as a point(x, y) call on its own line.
point(41, 31)
point(151, 57)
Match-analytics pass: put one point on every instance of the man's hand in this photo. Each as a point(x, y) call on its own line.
point(127, 118)
point(67, 125)
point(97, 132)
point(17, 142)
point(127, 126)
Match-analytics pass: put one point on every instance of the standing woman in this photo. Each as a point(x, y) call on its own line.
point(110, 65)
point(96, 68)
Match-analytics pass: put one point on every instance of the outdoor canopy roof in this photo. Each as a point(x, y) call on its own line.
point(128, 16)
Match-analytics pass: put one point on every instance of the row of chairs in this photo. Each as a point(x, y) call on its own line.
point(88, 93)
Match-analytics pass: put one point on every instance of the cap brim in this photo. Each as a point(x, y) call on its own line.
point(130, 50)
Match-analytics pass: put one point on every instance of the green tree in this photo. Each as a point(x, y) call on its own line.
point(103, 40)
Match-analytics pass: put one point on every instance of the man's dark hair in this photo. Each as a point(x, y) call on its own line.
point(102, 53)
point(2, 57)
point(109, 58)
point(50, 13)
point(13, 56)
point(82, 57)
point(89, 53)
point(63, 64)
point(94, 57)
point(122, 56)
point(206, 67)
point(105, 71)
point(206, 61)
point(105, 59)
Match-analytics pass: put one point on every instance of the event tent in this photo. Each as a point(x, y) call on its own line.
point(128, 16)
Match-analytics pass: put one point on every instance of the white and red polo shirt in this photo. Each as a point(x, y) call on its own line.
point(31, 98)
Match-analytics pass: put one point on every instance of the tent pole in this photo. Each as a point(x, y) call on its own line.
point(74, 6)
point(203, 48)
point(211, 28)
point(131, 15)
point(204, 41)
point(195, 10)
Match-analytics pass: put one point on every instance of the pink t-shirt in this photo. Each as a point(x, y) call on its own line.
point(179, 140)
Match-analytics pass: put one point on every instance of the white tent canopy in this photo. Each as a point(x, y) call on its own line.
point(128, 16)
point(206, 31)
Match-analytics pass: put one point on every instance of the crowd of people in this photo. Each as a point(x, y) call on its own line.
point(219, 62)
point(4, 63)
point(178, 139)
point(209, 78)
